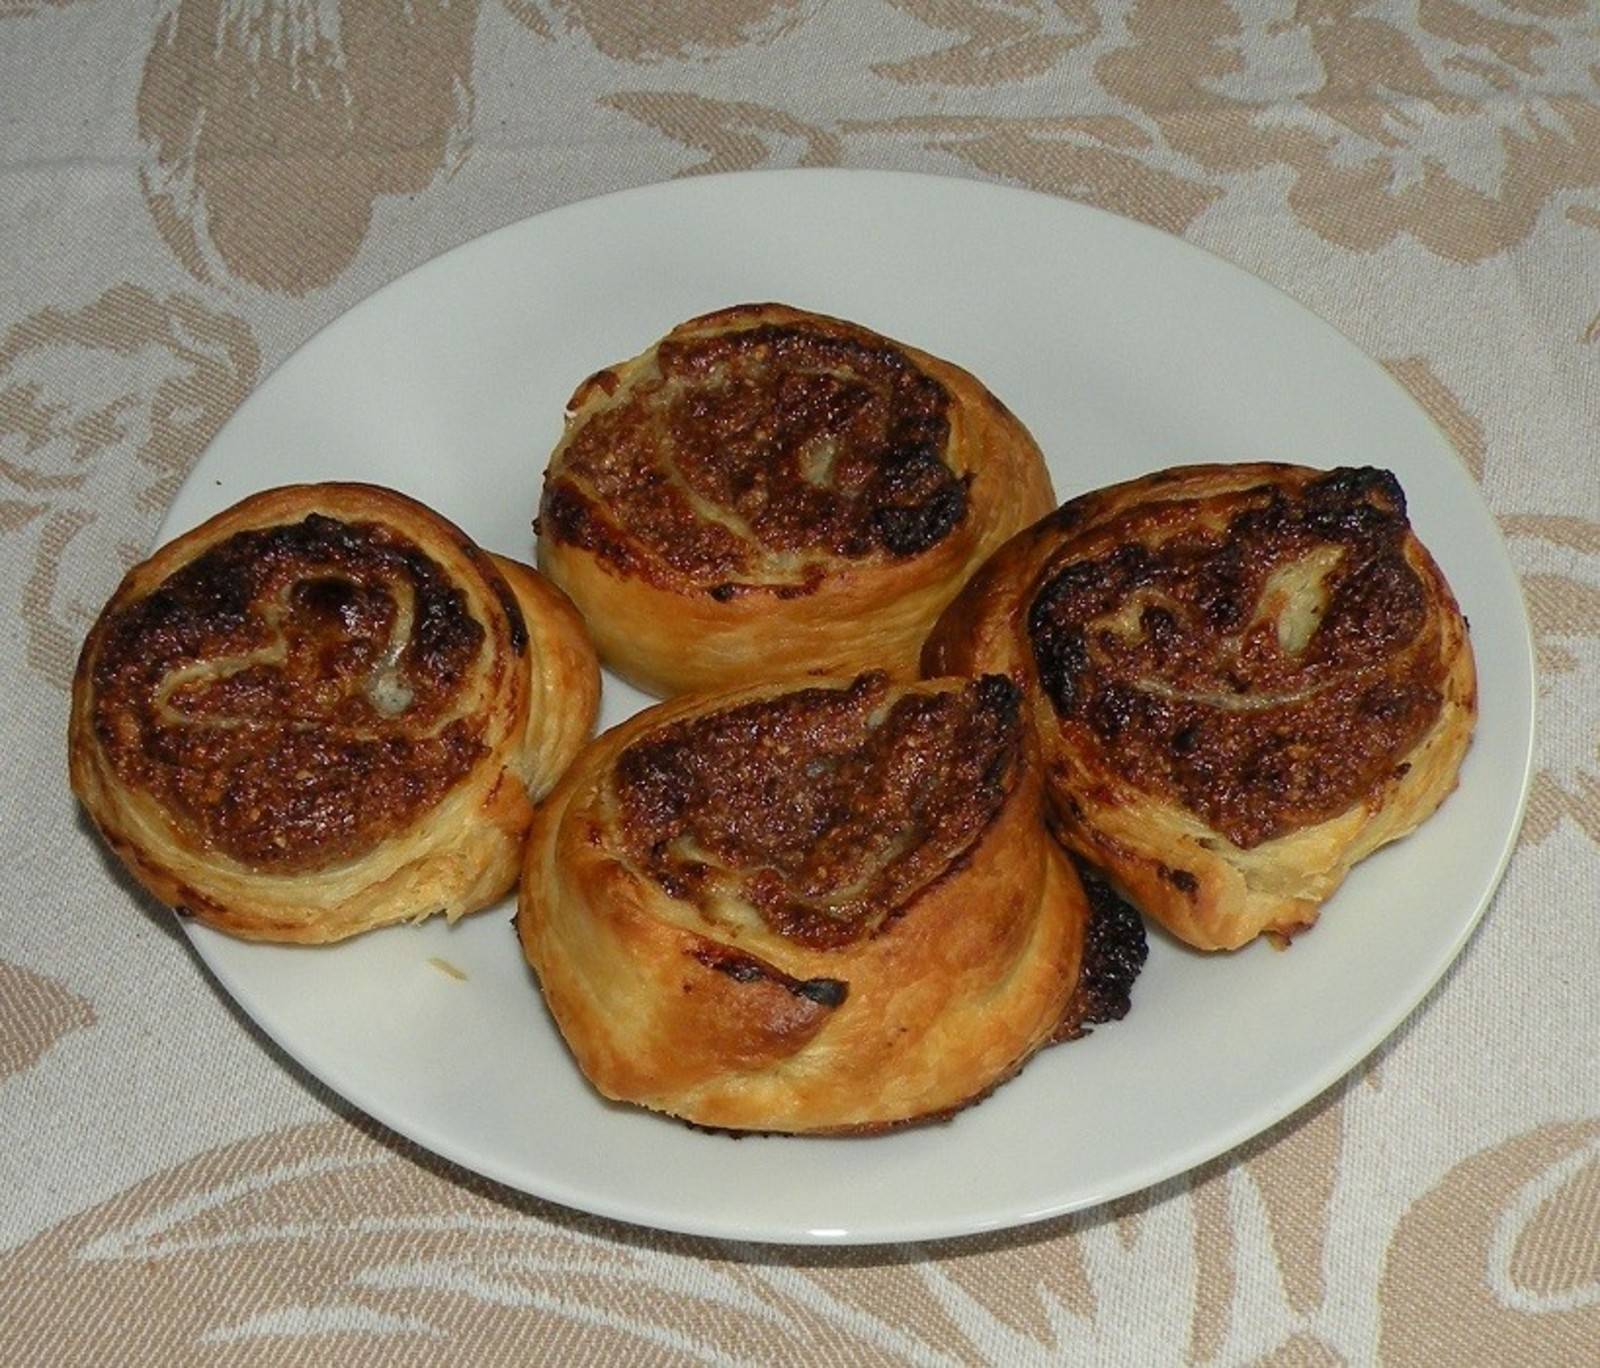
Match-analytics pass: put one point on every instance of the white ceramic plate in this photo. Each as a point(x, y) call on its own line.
point(1124, 350)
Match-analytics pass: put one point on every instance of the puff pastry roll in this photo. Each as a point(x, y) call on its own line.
point(325, 710)
point(766, 493)
point(1244, 679)
point(827, 906)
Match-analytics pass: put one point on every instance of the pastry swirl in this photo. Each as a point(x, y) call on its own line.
point(767, 493)
point(819, 906)
point(1244, 678)
point(325, 710)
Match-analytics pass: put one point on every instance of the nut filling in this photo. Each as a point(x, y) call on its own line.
point(751, 456)
point(1262, 658)
point(824, 811)
point(294, 694)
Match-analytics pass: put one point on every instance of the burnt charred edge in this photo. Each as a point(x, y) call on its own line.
point(516, 624)
point(997, 693)
point(729, 590)
point(214, 594)
point(563, 513)
point(1360, 482)
point(825, 992)
point(1066, 518)
point(1060, 655)
point(566, 516)
point(741, 968)
point(909, 530)
point(443, 623)
point(1356, 502)
point(1114, 952)
point(191, 902)
point(849, 349)
point(1060, 650)
point(1181, 879)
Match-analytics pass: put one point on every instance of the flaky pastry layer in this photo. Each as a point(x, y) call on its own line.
point(1244, 679)
point(767, 492)
point(811, 906)
point(326, 710)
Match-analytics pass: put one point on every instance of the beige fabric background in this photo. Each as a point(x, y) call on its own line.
point(188, 188)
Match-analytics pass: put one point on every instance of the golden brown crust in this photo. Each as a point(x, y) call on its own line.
point(563, 677)
point(1245, 679)
point(768, 492)
point(326, 710)
point(795, 907)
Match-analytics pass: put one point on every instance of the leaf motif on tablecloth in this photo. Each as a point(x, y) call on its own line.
point(1564, 612)
point(1554, 1255)
point(1500, 1261)
point(23, 9)
point(735, 135)
point(1559, 529)
point(1589, 218)
point(35, 1012)
point(1098, 159)
point(275, 126)
point(1215, 1253)
point(1094, 158)
point(1294, 1170)
point(1028, 1287)
point(1551, 802)
point(1444, 406)
point(1447, 136)
point(1560, 606)
point(961, 1296)
point(325, 1240)
point(677, 32)
point(875, 1308)
point(103, 412)
point(1300, 1351)
point(1058, 1294)
point(997, 40)
point(322, 1239)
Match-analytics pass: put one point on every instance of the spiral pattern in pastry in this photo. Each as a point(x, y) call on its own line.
point(324, 710)
point(1244, 678)
point(811, 906)
point(767, 493)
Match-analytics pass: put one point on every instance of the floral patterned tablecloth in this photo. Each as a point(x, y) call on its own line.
point(189, 188)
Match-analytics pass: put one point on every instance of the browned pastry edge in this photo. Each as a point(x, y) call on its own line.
point(734, 1025)
point(666, 631)
point(463, 851)
point(1207, 890)
point(564, 676)
point(1114, 952)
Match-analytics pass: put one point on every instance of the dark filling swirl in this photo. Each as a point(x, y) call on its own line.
point(753, 452)
point(825, 810)
point(293, 695)
point(1263, 658)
